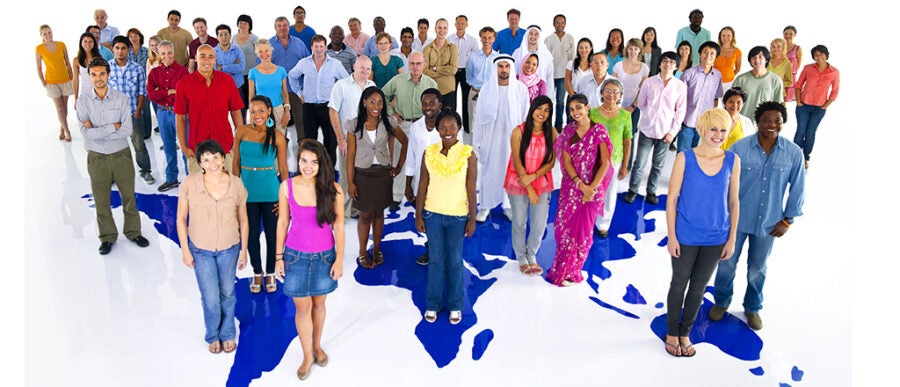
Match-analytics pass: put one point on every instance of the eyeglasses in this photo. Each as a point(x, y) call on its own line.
point(613, 92)
point(668, 61)
point(223, 34)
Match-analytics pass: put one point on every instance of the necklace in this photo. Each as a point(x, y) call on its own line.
point(613, 110)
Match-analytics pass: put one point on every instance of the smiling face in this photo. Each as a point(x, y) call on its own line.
point(559, 24)
point(212, 162)
point(632, 52)
point(584, 49)
point(206, 60)
point(769, 124)
point(789, 34)
point(684, 52)
point(87, 44)
point(820, 58)
point(154, 46)
point(715, 136)
point(696, 19)
point(579, 111)
point(422, 28)
point(441, 28)
point(200, 29)
point(540, 115)
point(224, 37)
point(264, 53)
point(513, 20)
point(384, 45)
point(734, 104)
point(431, 106)
point(530, 66)
point(354, 27)
point(707, 57)
point(309, 164)
point(243, 27)
point(281, 29)
point(610, 93)
point(378, 25)
point(100, 18)
point(726, 37)
point(336, 35)
point(758, 61)
point(167, 55)
point(135, 39)
point(318, 48)
point(448, 129)
point(487, 39)
point(259, 113)
point(99, 77)
point(362, 68)
point(406, 39)
point(615, 38)
point(777, 48)
point(533, 37)
point(299, 15)
point(374, 104)
point(461, 24)
point(649, 37)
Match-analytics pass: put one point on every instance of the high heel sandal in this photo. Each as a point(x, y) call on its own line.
point(256, 285)
point(271, 285)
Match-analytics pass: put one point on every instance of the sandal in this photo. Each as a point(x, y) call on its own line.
point(536, 270)
point(688, 350)
point(675, 349)
point(271, 285)
point(525, 269)
point(365, 262)
point(455, 317)
point(378, 258)
point(256, 285)
point(430, 316)
point(229, 346)
point(215, 347)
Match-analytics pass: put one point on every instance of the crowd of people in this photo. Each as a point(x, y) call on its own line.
point(391, 125)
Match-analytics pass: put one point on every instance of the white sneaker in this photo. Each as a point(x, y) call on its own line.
point(482, 215)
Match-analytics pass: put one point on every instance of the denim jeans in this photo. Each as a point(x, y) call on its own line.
point(146, 121)
point(757, 254)
point(808, 119)
point(445, 263)
point(215, 271)
point(166, 120)
point(645, 146)
point(140, 148)
point(560, 84)
point(535, 215)
point(688, 138)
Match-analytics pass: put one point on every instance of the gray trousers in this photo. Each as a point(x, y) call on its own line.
point(536, 217)
point(693, 271)
point(647, 145)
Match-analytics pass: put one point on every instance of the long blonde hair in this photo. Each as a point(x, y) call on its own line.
point(153, 59)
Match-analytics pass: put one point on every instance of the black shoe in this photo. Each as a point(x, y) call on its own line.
point(105, 247)
point(629, 197)
point(156, 129)
point(395, 206)
point(652, 199)
point(422, 260)
point(140, 241)
point(168, 185)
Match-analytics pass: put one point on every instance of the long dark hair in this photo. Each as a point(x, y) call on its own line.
point(325, 191)
point(269, 142)
point(82, 55)
point(655, 37)
point(621, 45)
point(361, 116)
point(577, 61)
point(528, 128)
point(690, 57)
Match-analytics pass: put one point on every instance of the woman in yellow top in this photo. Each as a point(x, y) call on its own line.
point(780, 65)
point(445, 211)
point(55, 72)
point(729, 61)
point(741, 126)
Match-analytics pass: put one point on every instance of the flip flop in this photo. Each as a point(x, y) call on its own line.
point(684, 350)
point(215, 347)
point(675, 349)
point(365, 262)
point(229, 348)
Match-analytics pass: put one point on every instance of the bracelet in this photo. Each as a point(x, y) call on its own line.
point(279, 254)
point(785, 223)
point(279, 259)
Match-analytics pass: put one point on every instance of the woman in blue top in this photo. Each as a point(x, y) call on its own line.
point(270, 80)
point(702, 217)
point(259, 159)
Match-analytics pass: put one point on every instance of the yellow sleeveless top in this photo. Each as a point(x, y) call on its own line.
point(447, 179)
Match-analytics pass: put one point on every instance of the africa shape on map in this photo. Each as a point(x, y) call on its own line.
point(266, 320)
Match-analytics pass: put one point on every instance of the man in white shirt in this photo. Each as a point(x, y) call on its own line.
point(422, 133)
point(466, 45)
point(562, 45)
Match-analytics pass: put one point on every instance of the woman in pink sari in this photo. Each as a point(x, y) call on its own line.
point(584, 151)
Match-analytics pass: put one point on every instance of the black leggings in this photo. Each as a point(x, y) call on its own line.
point(696, 265)
point(255, 211)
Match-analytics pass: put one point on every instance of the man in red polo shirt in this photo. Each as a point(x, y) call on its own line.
point(204, 99)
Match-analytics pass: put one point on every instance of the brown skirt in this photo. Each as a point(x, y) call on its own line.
point(374, 187)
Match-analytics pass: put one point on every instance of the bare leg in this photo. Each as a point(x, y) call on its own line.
point(362, 229)
point(318, 322)
point(304, 323)
point(377, 231)
point(62, 113)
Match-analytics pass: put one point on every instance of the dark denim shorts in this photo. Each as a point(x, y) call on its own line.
point(308, 274)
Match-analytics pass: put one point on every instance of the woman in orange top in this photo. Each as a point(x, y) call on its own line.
point(729, 61)
point(55, 72)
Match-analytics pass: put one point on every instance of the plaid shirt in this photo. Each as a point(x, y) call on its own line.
point(130, 80)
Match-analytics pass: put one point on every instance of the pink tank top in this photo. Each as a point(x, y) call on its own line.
point(534, 158)
point(305, 234)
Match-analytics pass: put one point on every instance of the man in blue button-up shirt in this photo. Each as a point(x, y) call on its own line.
point(771, 166)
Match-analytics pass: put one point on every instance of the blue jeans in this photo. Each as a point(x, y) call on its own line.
point(688, 138)
point(445, 263)
point(146, 121)
point(140, 148)
point(645, 146)
point(560, 84)
point(808, 119)
point(166, 120)
point(215, 271)
point(757, 254)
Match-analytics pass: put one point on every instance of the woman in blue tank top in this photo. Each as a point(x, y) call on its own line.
point(702, 217)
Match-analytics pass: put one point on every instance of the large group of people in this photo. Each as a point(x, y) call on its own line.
point(390, 123)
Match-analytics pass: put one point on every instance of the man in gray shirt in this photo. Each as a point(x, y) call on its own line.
point(105, 120)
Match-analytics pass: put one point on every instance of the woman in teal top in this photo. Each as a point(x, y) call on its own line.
point(618, 123)
point(260, 157)
point(385, 66)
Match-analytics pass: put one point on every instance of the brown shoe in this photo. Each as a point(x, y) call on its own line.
point(716, 313)
point(754, 321)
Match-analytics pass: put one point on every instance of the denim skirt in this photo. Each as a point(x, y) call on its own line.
point(308, 274)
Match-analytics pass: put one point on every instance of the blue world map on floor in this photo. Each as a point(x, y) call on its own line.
point(266, 320)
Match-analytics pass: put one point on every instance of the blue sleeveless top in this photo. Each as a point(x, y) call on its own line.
point(702, 211)
point(258, 172)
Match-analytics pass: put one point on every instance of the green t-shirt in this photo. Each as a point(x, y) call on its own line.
point(619, 128)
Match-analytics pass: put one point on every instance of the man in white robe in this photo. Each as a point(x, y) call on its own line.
point(502, 105)
point(531, 45)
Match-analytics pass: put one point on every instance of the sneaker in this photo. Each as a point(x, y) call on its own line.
point(716, 313)
point(630, 196)
point(652, 199)
point(482, 215)
point(148, 178)
point(422, 260)
point(430, 316)
point(455, 317)
point(754, 321)
point(168, 185)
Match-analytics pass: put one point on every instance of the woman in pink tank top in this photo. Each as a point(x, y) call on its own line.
point(312, 249)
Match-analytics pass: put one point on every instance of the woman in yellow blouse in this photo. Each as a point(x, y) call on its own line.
point(55, 72)
point(780, 65)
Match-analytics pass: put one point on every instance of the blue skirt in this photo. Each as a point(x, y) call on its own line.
point(308, 274)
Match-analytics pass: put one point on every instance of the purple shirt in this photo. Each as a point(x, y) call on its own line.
point(662, 107)
point(702, 91)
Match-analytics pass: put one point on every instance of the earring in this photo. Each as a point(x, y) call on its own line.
point(203, 170)
point(270, 122)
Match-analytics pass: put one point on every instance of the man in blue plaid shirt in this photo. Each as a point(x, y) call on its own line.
point(129, 79)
